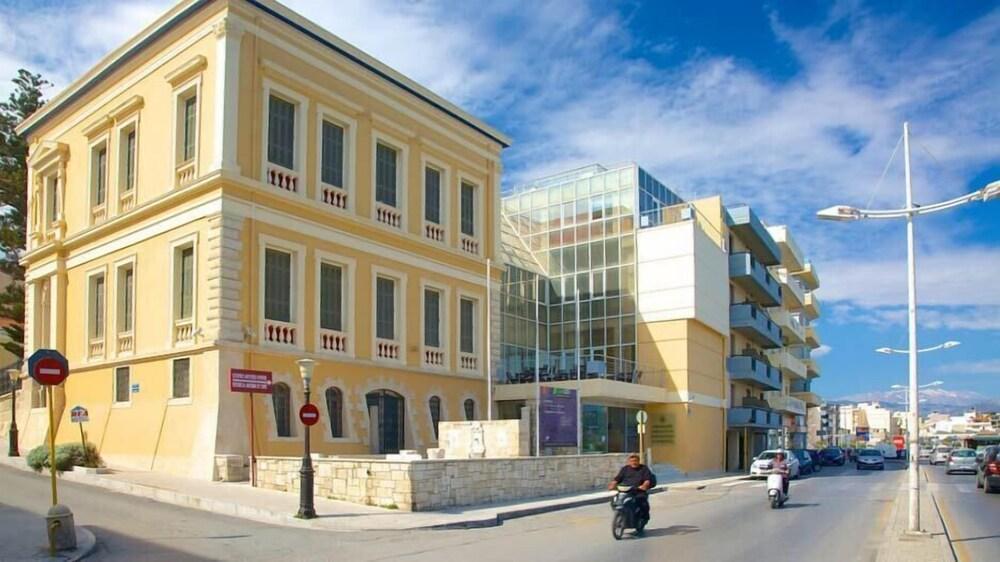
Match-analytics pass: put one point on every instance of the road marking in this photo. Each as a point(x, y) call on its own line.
point(737, 483)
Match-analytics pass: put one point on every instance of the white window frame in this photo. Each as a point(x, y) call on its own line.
point(170, 373)
point(477, 210)
point(399, 309)
point(180, 94)
point(444, 336)
point(301, 103)
point(102, 270)
point(427, 161)
point(477, 331)
point(119, 265)
point(175, 247)
point(349, 433)
point(350, 126)
point(92, 204)
point(402, 169)
point(297, 290)
point(349, 265)
point(114, 387)
point(121, 133)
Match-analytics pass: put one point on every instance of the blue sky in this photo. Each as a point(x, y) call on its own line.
point(790, 106)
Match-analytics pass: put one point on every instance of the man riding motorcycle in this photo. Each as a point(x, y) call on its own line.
point(636, 475)
point(780, 465)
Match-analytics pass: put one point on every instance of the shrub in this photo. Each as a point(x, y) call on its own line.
point(68, 455)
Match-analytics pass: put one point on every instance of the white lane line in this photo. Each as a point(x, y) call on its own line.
point(737, 483)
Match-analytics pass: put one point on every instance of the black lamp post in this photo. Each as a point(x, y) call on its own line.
point(306, 509)
point(14, 375)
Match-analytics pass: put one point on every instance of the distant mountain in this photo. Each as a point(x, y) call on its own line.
point(937, 399)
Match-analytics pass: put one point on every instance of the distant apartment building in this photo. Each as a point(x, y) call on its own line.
point(674, 302)
point(236, 187)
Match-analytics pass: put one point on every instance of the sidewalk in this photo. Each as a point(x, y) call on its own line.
point(279, 508)
point(898, 546)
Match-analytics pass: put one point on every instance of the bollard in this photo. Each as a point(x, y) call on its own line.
point(60, 527)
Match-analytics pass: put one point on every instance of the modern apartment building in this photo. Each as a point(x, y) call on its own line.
point(236, 187)
point(674, 303)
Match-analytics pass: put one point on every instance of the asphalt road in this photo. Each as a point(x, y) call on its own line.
point(838, 514)
point(971, 517)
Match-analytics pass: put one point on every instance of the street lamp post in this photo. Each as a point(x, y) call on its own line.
point(306, 509)
point(12, 450)
point(848, 213)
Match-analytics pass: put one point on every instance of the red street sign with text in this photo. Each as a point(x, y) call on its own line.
point(248, 380)
point(309, 414)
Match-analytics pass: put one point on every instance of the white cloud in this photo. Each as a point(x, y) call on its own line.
point(985, 318)
point(822, 350)
point(985, 367)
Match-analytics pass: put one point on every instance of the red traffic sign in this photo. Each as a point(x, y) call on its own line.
point(309, 414)
point(248, 380)
point(48, 367)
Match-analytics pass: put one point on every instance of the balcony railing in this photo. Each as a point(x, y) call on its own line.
point(184, 174)
point(617, 371)
point(127, 201)
point(98, 213)
point(280, 333)
point(792, 289)
point(388, 215)
point(468, 362)
point(387, 349)
point(754, 371)
point(96, 348)
point(470, 245)
point(747, 272)
point(789, 364)
point(281, 178)
point(791, 326)
point(126, 343)
point(786, 403)
point(184, 331)
point(751, 321)
point(334, 196)
point(434, 231)
point(744, 222)
point(745, 416)
point(433, 357)
point(333, 341)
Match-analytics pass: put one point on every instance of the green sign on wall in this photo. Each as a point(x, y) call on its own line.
point(661, 431)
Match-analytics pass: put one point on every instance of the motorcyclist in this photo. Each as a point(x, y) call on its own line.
point(780, 466)
point(637, 476)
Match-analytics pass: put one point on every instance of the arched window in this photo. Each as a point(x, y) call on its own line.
point(335, 410)
point(470, 409)
point(281, 399)
point(435, 405)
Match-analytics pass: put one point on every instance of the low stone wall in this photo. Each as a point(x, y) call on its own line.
point(432, 484)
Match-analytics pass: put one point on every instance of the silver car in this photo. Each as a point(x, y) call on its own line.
point(940, 455)
point(961, 460)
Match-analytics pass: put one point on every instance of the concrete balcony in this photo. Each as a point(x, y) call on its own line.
point(792, 331)
point(790, 365)
point(786, 404)
point(812, 337)
point(753, 417)
point(808, 276)
point(810, 398)
point(751, 321)
point(812, 368)
point(745, 224)
point(791, 255)
point(792, 292)
point(754, 278)
point(811, 305)
point(754, 372)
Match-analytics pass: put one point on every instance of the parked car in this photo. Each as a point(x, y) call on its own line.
point(814, 455)
point(988, 471)
point(870, 458)
point(961, 460)
point(806, 465)
point(940, 455)
point(762, 464)
point(832, 456)
point(981, 452)
point(925, 453)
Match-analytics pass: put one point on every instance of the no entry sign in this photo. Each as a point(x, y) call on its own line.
point(309, 414)
point(48, 367)
point(248, 380)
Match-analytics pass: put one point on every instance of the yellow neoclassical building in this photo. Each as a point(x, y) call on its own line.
point(236, 187)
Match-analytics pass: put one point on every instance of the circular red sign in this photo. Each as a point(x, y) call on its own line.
point(49, 371)
point(309, 414)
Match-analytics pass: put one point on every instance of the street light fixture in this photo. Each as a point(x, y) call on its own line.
point(12, 450)
point(848, 213)
point(306, 508)
point(945, 345)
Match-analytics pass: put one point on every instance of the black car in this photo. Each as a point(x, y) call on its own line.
point(816, 461)
point(806, 465)
point(832, 456)
point(988, 470)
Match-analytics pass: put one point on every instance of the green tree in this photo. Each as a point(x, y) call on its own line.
point(23, 101)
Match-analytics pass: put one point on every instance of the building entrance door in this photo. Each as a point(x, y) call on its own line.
point(385, 417)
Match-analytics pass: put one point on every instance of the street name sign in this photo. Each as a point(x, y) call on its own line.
point(79, 414)
point(48, 367)
point(309, 414)
point(248, 380)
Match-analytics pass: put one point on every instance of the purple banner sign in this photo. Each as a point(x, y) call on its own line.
point(558, 417)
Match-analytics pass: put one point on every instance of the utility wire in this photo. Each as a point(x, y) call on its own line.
point(884, 172)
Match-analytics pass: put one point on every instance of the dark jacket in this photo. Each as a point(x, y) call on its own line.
point(629, 476)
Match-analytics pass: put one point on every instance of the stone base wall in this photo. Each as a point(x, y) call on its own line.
point(432, 484)
point(231, 468)
point(485, 439)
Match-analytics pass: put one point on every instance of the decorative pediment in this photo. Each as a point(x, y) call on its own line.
point(127, 108)
point(47, 153)
point(177, 76)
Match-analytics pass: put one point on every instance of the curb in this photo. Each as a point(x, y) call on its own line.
point(86, 543)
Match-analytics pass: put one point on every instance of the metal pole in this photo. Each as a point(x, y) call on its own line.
point(12, 450)
point(52, 446)
point(914, 405)
point(253, 449)
point(538, 380)
point(489, 344)
point(579, 399)
point(306, 509)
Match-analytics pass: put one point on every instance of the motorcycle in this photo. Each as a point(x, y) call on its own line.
point(775, 490)
point(626, 509)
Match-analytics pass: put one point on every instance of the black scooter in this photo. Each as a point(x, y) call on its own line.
point(626, 512)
